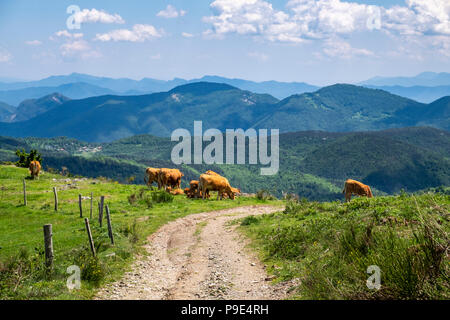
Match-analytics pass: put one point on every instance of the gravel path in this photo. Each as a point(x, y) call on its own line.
point(200, 256)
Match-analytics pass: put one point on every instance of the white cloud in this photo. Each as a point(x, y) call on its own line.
point(67, 34)
point(5, 56)
point(139, 33)
point(79, 48)
point(171, 12)
point(187, 35)
point(259, 56)
point(33, 43)
point(96, 16)
point(305, 20)
point(156, 56)
point(337, 48)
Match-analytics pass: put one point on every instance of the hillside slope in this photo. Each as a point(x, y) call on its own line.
point(313, 164)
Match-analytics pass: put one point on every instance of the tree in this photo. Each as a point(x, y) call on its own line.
point(25, 158)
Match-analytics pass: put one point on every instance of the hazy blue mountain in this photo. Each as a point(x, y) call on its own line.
point(33, 107)
point(340, 108)
point(78, 90)
point(6, 112)
point(107, 118)
point(427, 79)
point(279, 90)
point(418, 93)
point(126, 86)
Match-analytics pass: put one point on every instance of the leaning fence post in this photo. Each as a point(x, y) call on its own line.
point(91, 241)
point(56, 198)
point(108, 220)
point(24, 193)
point(48, 245)
point(80, 204)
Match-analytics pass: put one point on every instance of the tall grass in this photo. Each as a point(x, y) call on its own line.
point(329, 246)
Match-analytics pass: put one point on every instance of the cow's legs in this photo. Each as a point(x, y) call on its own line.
point(348, 196)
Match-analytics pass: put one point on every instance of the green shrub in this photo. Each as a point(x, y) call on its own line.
point(264, 195)
point(249, 220)
point(161, 196)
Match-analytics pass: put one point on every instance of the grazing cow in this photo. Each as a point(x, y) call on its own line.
point(215, 183)
point(170, 178)
point(35, 168)
point(236, 192)
point(356, 188)
point(152, 176)
point(193, 191)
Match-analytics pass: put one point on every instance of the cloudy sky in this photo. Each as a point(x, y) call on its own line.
point(316, 41)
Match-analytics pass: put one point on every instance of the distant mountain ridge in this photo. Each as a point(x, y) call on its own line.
point(77, 90)
point(426, 79)
point(340, 108)
point(146, 85)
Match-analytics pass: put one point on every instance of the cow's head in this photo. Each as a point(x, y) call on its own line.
point(230, 193)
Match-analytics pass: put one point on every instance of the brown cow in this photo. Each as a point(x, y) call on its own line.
point(356, 188)
point(35, 169)
point(193, 191)
point(175, 192)
point(235, 191)
point(170, 178)
point(212, 173)
point(215, 183)
point(152, 176)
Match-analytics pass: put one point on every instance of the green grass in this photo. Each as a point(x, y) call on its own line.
point(22, 275)
point(329, 246)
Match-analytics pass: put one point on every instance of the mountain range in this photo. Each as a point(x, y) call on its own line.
point(426, 79)
point(426, 87)
point(337, 108)
point(77, 86)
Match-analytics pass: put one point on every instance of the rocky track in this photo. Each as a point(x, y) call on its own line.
point(200, 256)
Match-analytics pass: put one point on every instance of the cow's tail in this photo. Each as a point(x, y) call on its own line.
point(345, 187)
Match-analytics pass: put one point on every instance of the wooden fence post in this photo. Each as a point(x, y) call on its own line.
point(48, 245)
point(108, 220)
point(56, 198)
point(24, 193)
point(80, 204)
point(100, 212)
point(91, 241)
point(92, 199)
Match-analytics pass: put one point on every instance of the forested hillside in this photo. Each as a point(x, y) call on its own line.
point(313, 164)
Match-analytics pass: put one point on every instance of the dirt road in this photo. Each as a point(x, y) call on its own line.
point(200, 256)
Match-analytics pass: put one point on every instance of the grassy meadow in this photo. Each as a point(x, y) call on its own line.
point(329, 246)
point(136, 212)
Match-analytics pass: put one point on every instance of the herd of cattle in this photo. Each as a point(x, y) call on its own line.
point(170, 180)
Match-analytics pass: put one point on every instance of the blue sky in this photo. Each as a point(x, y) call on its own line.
point(319, 42)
